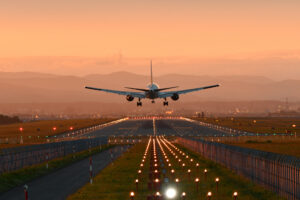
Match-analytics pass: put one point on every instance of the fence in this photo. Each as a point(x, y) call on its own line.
point(279, 173)
point(16, 158)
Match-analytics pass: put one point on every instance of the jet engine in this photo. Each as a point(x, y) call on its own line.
point(129, 98)
point(175, 97)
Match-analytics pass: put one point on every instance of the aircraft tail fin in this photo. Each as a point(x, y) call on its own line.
point(151, 74)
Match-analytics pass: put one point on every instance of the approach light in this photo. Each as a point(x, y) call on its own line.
point(131, 194)
point(171, 193)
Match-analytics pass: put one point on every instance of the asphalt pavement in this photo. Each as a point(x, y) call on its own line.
point(169, 127)
point(60, 184)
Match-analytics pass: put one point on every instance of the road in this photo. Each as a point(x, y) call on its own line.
point(66, 181)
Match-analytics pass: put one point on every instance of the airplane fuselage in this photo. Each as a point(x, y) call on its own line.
point(152, 93)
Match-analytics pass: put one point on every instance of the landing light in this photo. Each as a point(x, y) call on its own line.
point(171, 193)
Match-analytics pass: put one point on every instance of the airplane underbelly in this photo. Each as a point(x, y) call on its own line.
point(152, 95)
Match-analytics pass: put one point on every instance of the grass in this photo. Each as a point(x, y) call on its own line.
point(37, 131)
point(287, 148)
point(117, 180)
point(287, 145)
point(257, 125)
point(229, 182)
point(18, 177)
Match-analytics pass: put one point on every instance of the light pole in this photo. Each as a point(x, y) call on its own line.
point(235, 196)
point(131, 195)
point(209, 194)
point(189, 173)
point(197, 184)
point(21, 129)
point(217, 180)
point(294, 126)
point(183, 196)
point(205, 174)
point(157, 196)
point(177, 182)
point(137, 184)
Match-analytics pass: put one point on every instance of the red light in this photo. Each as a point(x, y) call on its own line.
point(71, 128)
point(21, 129)
point(54, 128)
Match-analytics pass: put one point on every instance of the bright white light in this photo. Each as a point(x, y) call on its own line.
point(171, 193)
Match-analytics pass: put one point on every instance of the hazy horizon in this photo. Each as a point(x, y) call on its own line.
point(215, 38)
point(280, 66)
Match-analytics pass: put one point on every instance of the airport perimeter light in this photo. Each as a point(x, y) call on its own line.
point(171, 193)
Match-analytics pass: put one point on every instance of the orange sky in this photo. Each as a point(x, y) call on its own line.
point(148, 28)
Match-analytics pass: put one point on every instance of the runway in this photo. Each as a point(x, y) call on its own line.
point(145, 127)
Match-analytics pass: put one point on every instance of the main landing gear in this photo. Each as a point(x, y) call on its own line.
point(152, 101)
point(139, 103)
point(166, 103)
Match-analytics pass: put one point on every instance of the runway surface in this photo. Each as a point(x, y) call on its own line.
point(62, 183)
point(169, 127)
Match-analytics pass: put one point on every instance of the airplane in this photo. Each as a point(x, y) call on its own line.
point(153, 92)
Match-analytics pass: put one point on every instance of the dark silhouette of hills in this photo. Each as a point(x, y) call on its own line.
point(30, 87)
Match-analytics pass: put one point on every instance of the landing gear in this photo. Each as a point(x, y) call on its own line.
point(139, 103)
point(152, 101)
point(166, 103)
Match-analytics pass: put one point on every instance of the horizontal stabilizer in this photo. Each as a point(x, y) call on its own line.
point(161, 89)
point(139, 89)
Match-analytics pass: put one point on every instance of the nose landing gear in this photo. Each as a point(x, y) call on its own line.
point(166, 103)
point(139, 103)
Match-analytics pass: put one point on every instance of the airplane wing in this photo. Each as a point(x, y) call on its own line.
point(170, 93)
point(134, 94)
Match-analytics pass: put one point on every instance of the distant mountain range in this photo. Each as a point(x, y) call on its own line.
point(30, 87)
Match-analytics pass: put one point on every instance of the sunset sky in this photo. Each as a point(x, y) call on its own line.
point(149, 29)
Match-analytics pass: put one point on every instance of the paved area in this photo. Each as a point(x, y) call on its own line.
point(143, 127)
point(60, 184)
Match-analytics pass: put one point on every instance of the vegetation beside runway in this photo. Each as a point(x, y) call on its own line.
point(229, 182)
point(258, 125)
point(22, 176)
point(267, 129)
point(38, 131)
point(287, 148)
point(117, 180)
